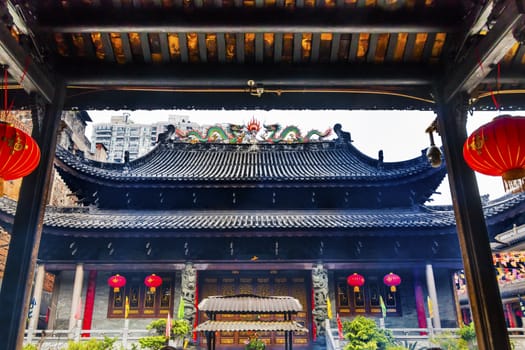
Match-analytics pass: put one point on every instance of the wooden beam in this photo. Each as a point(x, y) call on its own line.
point(483, 291)
point(27, 228)
point(319, 75)
point(240, 99)
point(262, 20)
point(477, 63)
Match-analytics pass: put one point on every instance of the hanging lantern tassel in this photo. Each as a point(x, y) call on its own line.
point(514, 180)
point(496, 149)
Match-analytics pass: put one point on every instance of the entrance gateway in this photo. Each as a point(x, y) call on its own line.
point(268, 283)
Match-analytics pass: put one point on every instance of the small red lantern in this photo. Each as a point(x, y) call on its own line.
point(392, 280)
point(496, 149)
point(116, 282)
point(19, 153)
point(355, 280)
point(152, 281)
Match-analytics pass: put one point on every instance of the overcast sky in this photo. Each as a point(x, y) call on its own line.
point(400, 134)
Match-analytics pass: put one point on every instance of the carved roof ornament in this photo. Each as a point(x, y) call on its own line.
point(342, 136)
point(252, 132)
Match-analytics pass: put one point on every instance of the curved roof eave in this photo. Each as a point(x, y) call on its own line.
point(84, 221)
point(183, 164)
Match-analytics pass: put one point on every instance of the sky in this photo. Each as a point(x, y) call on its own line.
point(400, 134)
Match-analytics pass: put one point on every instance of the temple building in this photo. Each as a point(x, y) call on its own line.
point(225, 214)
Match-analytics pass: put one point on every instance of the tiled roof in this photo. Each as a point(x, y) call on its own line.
point(250, 304)
point(315, 161)
point(240, 326)
point(76, 221)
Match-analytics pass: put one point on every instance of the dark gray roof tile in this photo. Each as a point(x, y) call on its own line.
point(250, 326)
point(250, 304)
point(325, 161)
point(87, 219)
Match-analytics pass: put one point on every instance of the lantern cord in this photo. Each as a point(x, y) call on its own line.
point(494, 99)
point(492, 95)
point(8, 107)
point(5, 90)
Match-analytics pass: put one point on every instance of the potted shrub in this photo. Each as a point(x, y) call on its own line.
point(179, 329)
point(254, 343)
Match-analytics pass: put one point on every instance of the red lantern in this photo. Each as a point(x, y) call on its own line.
point(392, 280)
point(116, 282)
point(355, 280)
point(496, 149)
point(19, 153)
point(152, 281)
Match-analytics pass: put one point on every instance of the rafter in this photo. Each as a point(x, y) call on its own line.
point(22, 67)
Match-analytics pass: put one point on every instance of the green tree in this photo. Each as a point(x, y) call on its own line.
point(462, 339)
point(179, 329)
point(363, 334)
point(152, 342)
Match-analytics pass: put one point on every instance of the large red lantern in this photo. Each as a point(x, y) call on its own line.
point(497, 149)
point(152, 281)
point(355, 280)
point(19, 153)
point(392, 280)
point(116, 282)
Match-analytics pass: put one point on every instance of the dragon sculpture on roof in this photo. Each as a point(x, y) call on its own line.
point(252, 132)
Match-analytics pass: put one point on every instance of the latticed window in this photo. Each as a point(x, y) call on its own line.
point(143, 302)
point(367, 300)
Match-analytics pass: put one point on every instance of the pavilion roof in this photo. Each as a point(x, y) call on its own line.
point(247, 303)
point(181, 170)
point(84, 221)
point(179, 162)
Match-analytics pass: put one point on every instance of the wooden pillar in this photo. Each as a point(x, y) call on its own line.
point(483, 291)
point(75, 313)
point(27, 226)
point(432, 294)
point(208, 340)
point(37, 296)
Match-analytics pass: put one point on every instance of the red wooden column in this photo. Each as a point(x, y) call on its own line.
point(90, 302)
point(483, 291)
point(27, 227)
point(420, 301)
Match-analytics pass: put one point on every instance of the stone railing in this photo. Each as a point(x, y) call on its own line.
point(126, 338)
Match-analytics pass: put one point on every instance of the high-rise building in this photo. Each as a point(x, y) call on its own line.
point(121, 134)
